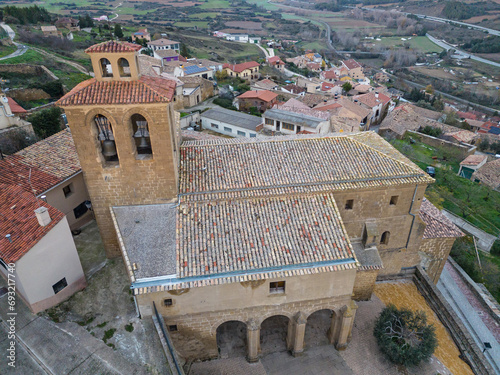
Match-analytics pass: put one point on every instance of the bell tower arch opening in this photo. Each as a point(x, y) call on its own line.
point(106, 68)
point(142, 139)
point(106, 139)
point(124, 67)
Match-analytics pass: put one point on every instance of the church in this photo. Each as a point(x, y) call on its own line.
point(233, 235)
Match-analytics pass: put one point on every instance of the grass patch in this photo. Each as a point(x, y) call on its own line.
point(102, 325)
point(129, 327)
point(7, 50)
point(108, 334)
point(29, 57)
point(86, 321)
point(421, 43)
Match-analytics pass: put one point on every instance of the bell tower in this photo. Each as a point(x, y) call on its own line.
point(126, 134)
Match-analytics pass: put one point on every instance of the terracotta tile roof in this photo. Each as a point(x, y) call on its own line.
point(294, 89)
point(437, 225)
point(238, 68)
point(329, 74)
point(313, 66)
point(464, 136)
point(55, 155)
point(264, 95)
point(256, 165)
point(473, 160)
point(266, 84)
point(293, 105)
point(144, 90)
point(113, 46)
point(312, 99)
point(489, 174)
point(17, 218)
point(13, 171)
point(14, 107)
point(467, 115)
point(371, 100)
point(162, 42)
point(253, 234)
point(351, 64)
point(52, 160)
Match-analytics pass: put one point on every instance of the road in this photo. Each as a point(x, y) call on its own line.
point(21, 49)
point(462, 54)
point(269, 52)
point(436, 19)
point(470, 315)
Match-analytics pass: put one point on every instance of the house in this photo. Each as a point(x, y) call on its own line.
point(186, 69)
point(490, 127)
point(141, 34)
point(195, 90)
point(37, 250)
point(56, 176)
point(293, 89)
point(346, 116)
point(315, 67)
point(12, 124)
point(295, 117)
point(489, 174)
point(49, 31)
point(376, 102)
point(213, 65)
point(166, 55)
point(438, 239)
point(241, 38)
point(354, 69)
point(299, 61)
point(381, 77)
point(163, 44)
point(240, 237)
point(254, 39)
point(231, 123)
point(69, 23)
point(266, 84)
point(332, 88)
point(276, 62)
point(248, 71)
point(260, 99)
point(471, 164)
point(328, 76)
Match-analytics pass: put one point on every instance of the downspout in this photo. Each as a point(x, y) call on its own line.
point(413, 216)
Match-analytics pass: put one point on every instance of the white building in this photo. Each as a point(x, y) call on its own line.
point(231, 123)
point(242, 38)
point(163, 43)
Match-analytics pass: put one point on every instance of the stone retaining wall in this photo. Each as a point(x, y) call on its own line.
point(464, 341)
point(461, 150)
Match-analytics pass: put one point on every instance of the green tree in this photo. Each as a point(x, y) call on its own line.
point(184, 51)
point(118, 31)
point(347, 87)
point(404, 336)
point(46, 122)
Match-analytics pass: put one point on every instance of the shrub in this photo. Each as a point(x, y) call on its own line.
point(46, 122)
point(404, 336)
point(433, 132)
point(129, 327)
point(495, 249)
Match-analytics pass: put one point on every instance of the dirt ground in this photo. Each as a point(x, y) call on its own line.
point(106, 308)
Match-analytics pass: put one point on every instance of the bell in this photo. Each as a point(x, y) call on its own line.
point(108, 148)
point(144, 144)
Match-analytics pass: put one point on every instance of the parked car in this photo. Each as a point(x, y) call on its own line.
point(431, 171)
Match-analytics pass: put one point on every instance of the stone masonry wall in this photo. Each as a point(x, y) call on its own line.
point(133, 181)
point(434, 252)
point(364, 284)
point(196, 335)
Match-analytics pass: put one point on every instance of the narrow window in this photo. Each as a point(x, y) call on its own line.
point(68, 190)
point(349, 204)
point(124, 67)
point(384, 240)
point(394, 200)
point(229, 130)
point(168, 302)
point(241, 133)
point(141, 135)
point(60, 285)
point(106, 69)
point(277, 287)
point(252, 135)
point(80, 210)
point(215, 126)
point(172, 328)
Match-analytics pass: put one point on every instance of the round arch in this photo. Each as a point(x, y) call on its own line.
point(124, 67)
point(93, 131)
point(274, 334)
point(231, 337)
point(318, 324)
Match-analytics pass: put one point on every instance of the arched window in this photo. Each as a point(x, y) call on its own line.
point(106, 69)
point(124, 67)
point(384, 240)
point(141, 135)
point(106, 138)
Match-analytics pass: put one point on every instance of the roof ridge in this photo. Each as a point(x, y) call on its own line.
point(75, 90)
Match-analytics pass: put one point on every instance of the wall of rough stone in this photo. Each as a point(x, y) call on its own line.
point(461, 151)
point(433, 254)
point(132, 181)
point(364, 284)
point(35, 70)
point(27, 95)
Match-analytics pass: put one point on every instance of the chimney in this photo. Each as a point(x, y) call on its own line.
point(376, 94)
point(43, 216)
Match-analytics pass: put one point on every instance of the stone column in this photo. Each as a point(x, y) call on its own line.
point(253, 340)
point(347, 320)
point(299, 330)
point(334, 328)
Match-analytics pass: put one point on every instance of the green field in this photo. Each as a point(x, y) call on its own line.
point(421, 43)
point(6, 50)
point(199, 24)
point(215, 4)
point(204, 15)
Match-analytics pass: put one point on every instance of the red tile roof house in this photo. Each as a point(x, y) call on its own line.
point(55, 173)
point(276, 62)
point(471, 164)
point(261, 100)
point(376, 102)
point(248, 71)
point(37, 250)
